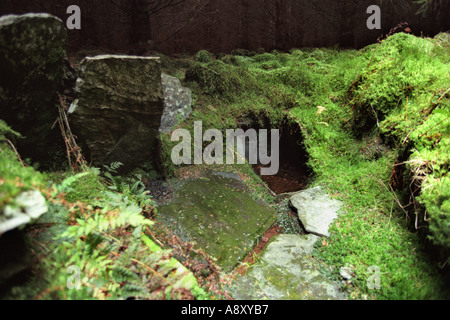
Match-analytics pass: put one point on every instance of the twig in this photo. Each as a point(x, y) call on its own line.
point(72, 147)
point(15, 151)
point(395, 198)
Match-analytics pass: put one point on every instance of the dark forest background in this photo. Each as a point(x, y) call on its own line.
point(186, 26)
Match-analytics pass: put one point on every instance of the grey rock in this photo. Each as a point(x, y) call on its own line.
point(28, 206)
point(119, 107)
point(220, 215)
point(347, 273)
point(316, 210)
point(287, 271)
point(177, 103)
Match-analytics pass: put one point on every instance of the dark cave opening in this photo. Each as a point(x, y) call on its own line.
point(294, 173)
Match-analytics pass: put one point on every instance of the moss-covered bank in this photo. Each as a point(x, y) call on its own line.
point(363, 115)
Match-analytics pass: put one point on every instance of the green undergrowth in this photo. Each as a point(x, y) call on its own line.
point(353, 151)
point(405, 91)
point(375, 124)
point(362, 114)
point(94, 242)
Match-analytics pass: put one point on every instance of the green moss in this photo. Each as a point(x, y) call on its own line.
point(86, 189)
point(233, 60)
point(401, 68)
point(204, 56)
point(14, 177)
point(264, 57)
point(219, 79)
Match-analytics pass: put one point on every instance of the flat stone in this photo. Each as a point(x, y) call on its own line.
point(229, 175)
point(218, 214)
point(287, 271)
point(316, 210)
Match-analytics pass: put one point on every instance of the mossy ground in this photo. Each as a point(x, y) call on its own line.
point(361, 113)
point(91, 228)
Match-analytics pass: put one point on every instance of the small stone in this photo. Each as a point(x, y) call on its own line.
point(287, 270)
point(346, 273)
point(315, 210)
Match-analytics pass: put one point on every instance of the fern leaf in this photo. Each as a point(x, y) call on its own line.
point(65, 185)
point(150, 244)
point(122, 275)
point(132, 290)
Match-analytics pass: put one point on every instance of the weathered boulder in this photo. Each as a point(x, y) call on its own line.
point(119, 107)
point(32, 56)
point(177, 103)
point(287, 271)
point(315, 210)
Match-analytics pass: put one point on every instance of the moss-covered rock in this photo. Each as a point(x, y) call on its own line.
point(218, 213)
point(204, 56)
point(287, 271)
point(177, 103)
point(118, 111)
point(32, 53)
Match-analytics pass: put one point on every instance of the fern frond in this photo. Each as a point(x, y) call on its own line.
point(65, 185)
point(132, 290)
point(150, 244)
point(122, 275)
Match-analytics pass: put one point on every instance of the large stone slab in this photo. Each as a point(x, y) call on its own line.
point(32, 59)
point(287, 271)
point(316, 210)
point(119, 107)
point(218, 213)
point(177, 103)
